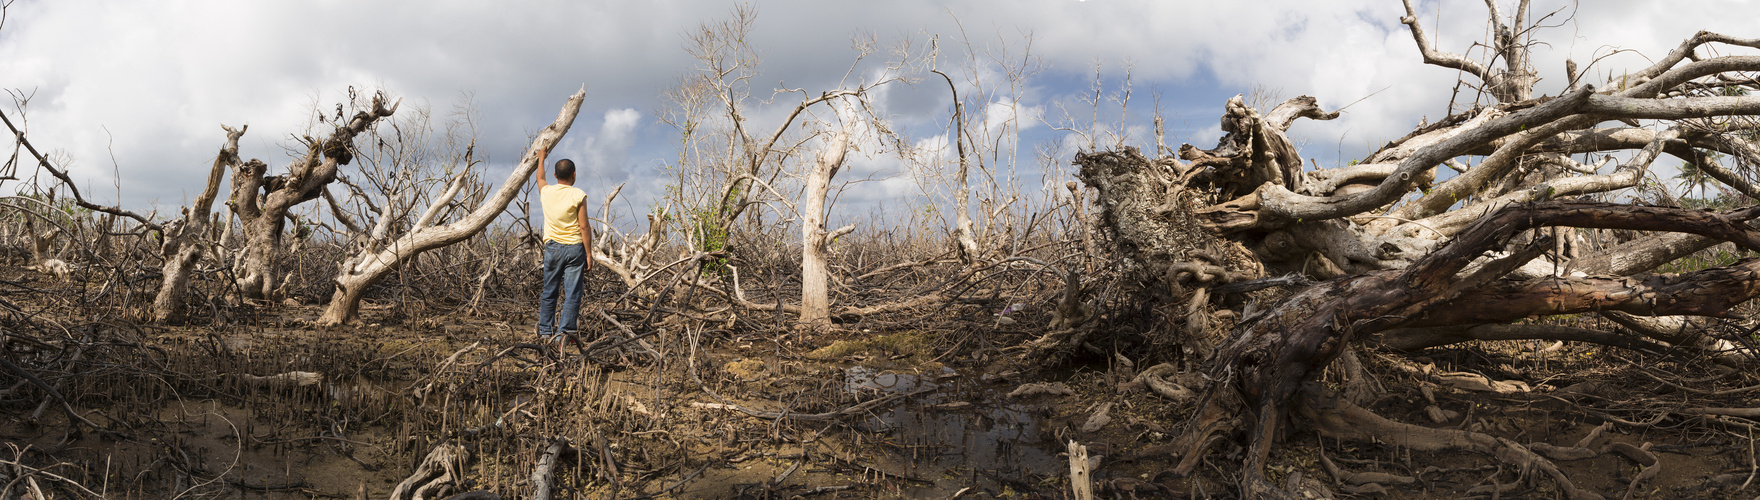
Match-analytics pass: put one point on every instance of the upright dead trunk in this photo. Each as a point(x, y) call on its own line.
point(263, 215)
point(182, 248)
point(42, 258)
point(815, 293)
point(368, 268)
point(962, 229)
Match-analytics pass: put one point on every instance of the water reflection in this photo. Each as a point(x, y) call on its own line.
point(959, 435)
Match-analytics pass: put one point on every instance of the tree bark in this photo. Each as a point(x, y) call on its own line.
point(1270, 357)
point(182, 248)
point(1627, 175)
point(1275, 206)
point(372, 266)
point(1460, 288)
point(264, 216)
point(815, 271)
point(962, 193)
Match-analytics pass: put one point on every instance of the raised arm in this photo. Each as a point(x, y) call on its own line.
point(539, 176)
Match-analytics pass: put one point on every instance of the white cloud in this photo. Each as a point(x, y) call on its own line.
point(151, 81)
point(607, 153)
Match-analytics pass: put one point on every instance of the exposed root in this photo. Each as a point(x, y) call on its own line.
point(440, 471)
point(286, 379)
point(1034, 389)
point(1055, 344)
point(1071, 311)
point(1339, 419)
point(1641, 455)
point(1358, 479)
point(1359, 386)
point(1071, 324)
point(1154, 379)
point(1480, 383)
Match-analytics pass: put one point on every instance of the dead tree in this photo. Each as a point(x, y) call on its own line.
point(183, 238)
point(631, 258)
point(20, 136)
point(815, 271)
point(1272, 355)
point(992, 81)
point(993, 78)
point(263, 202)
point(1492, 244)
point(726, 170)
point(962, 193)
point(376, 261)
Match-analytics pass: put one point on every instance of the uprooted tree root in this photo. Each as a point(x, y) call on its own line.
point(440, 473)
point(1340, 419)
point(1264, 366)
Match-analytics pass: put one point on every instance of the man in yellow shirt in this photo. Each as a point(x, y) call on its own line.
point(567, 236)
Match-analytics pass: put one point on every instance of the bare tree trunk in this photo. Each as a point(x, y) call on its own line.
point(371, 266)
point(42, 256)
point(264, 216)
point(815, 273)
point(181, 249)
point(962, 229)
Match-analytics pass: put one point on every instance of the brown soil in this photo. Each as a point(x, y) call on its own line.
point(181, 422)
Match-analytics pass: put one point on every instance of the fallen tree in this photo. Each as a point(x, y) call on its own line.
point(379, 258)
point(1271, 355)
point(1286, 269)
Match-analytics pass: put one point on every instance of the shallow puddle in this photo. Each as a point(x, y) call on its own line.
point(957, 436)
point(862, 380)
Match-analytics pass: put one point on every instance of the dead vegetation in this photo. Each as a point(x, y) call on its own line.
point(1190, 324)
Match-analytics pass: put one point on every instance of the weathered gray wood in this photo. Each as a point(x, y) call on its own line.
point(1081, 480)
point(352, 281)
point(1671, 109)
point(1279, 206)
point(815, 270)
point(544, 475)
point(1270, 356)
point(181, 248)
point(264, 214)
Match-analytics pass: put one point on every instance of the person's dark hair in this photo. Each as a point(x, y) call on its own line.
point(565, 170)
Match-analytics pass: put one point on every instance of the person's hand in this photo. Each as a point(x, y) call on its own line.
point(538, 173)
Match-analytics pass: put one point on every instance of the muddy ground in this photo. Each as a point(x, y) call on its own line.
point(859, 412)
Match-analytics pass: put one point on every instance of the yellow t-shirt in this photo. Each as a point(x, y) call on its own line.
point(562, 205)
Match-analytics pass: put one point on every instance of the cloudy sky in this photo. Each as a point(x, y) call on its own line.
point(139, 89)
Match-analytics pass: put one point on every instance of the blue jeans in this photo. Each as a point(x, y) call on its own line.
point(562, 276)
